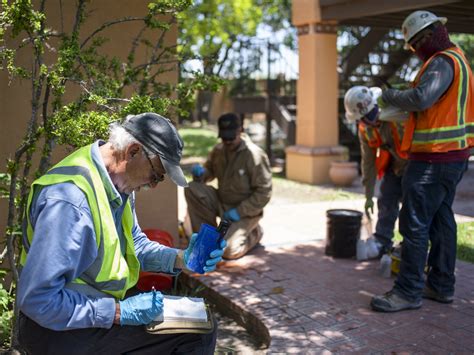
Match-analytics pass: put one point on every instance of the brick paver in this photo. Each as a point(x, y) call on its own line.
point(295, 299)
point(311, 303)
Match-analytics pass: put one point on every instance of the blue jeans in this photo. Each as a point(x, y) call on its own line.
point(37, 340)
point(388, 206)
point(426, 216)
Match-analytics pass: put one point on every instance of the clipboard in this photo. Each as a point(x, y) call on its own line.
point(182, 326)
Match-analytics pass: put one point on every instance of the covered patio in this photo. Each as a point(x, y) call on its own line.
point(317, 22)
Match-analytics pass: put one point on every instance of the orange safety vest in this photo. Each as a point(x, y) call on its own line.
point(449, 124)
point(374, 140)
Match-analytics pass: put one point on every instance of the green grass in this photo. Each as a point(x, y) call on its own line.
point(198, 141)
point(307, 192)
point(466, 242)
point(465, 247)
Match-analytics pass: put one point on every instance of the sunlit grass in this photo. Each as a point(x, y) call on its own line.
point(282, 185)
point(198, 141)
point(465, 247)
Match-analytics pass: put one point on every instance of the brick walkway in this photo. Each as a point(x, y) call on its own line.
point(295, 299)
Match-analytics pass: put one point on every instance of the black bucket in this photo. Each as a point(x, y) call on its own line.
point(343, 231)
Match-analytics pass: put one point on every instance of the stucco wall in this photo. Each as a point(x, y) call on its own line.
point(156, 208)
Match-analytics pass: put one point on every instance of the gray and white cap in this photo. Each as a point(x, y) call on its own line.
point(159, 136)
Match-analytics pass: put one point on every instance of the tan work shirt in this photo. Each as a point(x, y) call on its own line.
point(369, 154)
point(244, 177)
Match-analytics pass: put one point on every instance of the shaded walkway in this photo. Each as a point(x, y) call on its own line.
point(294, 299)
point(309, 302)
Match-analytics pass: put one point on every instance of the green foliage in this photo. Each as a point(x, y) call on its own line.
point(77, 128)
point(207, 27)
point(198, 142)
point(466, 43)
point(465, 244)
point(6, 313)
point(78, 88)
point(214, 31)
point(4, 185)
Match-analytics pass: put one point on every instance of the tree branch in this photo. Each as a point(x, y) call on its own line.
point(162, 36)
point(79, 13)
point(135, 43)
point(48, 145)
point(153, 62)
point(3, 254)
point(226, 54)
point(111, 23)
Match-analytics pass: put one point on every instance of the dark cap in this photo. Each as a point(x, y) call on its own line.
point(229, 126)
point(160, 137)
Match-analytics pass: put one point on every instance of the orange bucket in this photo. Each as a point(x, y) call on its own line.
point(148, 280)
point(160, 236)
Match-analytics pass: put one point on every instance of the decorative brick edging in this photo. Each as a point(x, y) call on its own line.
point(255, 327)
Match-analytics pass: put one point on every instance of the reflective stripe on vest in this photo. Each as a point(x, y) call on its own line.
point(111, 272)
point(449, 124)
point(371, 134)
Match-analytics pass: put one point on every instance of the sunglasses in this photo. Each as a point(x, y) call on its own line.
point(157, 177)
point(422, 37)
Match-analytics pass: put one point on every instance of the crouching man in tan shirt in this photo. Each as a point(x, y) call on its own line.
point(244, 179)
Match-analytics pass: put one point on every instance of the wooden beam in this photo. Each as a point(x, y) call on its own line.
point(338, 11)
point(382, 23)
point(360, 51)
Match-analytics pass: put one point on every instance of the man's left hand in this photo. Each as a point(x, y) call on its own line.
point(214, 257)
point(369, 207)
point(232, 215)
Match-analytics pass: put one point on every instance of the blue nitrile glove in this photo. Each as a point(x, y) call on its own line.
point(214, 257)
point(232, 214)
point(141, 309)
point(197, 170)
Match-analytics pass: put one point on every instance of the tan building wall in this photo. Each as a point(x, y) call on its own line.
point(221, 103)
point(156, 208)
point(317, 112)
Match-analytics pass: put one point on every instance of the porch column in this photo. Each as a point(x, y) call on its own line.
point(317, 98)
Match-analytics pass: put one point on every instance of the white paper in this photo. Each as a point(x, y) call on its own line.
point(183, 308)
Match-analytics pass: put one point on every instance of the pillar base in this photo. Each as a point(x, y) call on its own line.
point(311, 164)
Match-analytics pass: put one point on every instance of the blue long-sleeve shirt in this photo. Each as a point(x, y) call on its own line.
point(64, 246)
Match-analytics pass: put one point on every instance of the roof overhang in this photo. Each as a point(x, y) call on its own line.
point(390, 14)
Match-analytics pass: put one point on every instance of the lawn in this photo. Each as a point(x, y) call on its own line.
point(197, 141)
point(465, 248)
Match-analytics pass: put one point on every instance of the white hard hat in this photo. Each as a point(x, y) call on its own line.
point(359, 101)
point(417, 21)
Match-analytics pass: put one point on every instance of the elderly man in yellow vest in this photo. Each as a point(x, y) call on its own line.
point(244, 188)
point(83, 248)
point(438, 136)
point(382, 158)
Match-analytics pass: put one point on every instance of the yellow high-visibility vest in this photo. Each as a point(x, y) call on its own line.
point(111, 272)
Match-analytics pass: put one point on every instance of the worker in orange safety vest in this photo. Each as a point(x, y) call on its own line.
point(381, 158)
point(438, 137)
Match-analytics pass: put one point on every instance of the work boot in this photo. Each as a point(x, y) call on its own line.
point(431, 294)
point(391, 302)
